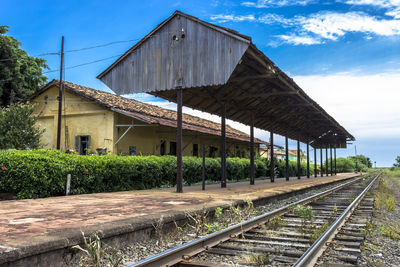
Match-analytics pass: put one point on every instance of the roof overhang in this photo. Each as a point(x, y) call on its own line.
point(216, 66)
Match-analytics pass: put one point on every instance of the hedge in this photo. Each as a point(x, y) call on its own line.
point(42, 173)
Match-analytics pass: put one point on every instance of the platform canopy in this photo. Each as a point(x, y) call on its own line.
point(217, 66)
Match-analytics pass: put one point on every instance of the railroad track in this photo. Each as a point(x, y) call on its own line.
point(295, 234)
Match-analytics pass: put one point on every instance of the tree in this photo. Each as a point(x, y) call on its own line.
point(20, 74)
point(17, 127)
point(397, 164)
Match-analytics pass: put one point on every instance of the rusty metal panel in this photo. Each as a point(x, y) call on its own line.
point(183, 53)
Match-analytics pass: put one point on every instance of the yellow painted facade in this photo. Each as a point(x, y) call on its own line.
point(105, 128)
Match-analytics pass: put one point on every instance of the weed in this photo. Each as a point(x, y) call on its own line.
point(318, 232)
point(389, 203)
point(276, 223)
point(158, 229)
point(94, 254)
point(198, 222)
point(388, 231)
point(306, 214)
point(249, 209)
point(256, 259)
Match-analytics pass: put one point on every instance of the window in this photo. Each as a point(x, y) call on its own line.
point(82, 144)
point(195, 150)
point(132, 150)
point(172, 148)
point(213, 152)
point(162, 148)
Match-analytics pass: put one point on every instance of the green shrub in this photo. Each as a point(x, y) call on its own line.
point(42, 173)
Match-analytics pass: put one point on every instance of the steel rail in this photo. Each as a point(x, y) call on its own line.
point(177, 254)
point(315, 251)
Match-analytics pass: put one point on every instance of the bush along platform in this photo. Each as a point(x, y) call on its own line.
point(43, 173)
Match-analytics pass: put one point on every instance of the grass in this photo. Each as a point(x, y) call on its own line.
point(94, 255)
point(256, 259)
point(276, 223)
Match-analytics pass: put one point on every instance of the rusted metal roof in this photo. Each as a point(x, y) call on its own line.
point(146, 112)
point(214, 66)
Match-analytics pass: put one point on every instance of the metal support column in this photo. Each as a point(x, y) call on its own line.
point(315, 162)
point(322, 164)
point(252, 151)
point(330, 148)
point(335, 160)
point(203, 167)
point(326, 161)
point(272, 163)
point(287, 158)
point(308, 160)
point(179, 186)
point(298, 160)
point(223, 146)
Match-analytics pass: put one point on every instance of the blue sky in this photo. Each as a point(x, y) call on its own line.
point(344, 53)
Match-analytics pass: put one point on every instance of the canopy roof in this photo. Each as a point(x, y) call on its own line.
point(217, 66)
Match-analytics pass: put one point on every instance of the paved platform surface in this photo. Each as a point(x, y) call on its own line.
point(48, 219)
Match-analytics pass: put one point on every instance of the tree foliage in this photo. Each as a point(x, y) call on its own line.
point(397, 163)
point(20, 74)
point(17, 127)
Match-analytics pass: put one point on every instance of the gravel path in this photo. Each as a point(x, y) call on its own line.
point(378, 249)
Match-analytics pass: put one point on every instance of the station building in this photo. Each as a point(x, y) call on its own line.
point(95, 121)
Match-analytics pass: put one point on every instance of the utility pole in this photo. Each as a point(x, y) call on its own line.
point(355, 151)
point(60, 95)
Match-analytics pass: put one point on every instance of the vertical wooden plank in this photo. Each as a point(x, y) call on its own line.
point(326, 161)
point(330, 148)
point(298, 160)
point(252, 150)
point(315, 162)
point(321, 164)
point(203, 166)
point(272, 163)
point(308, 160)
point(335, 160)
point(179, 174)
point(223, 146)
point(287, 157)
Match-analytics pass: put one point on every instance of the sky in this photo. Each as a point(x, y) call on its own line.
point(345, 54)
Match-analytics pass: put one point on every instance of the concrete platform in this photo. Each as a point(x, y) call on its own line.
point(36, 226)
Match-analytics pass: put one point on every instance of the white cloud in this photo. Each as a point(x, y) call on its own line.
point(315, 28)
point(366, 105)
point(331, 25)
point(231, 17)
point(274, 18)
point(276, 3)
point(393, 6)
point(299, 40)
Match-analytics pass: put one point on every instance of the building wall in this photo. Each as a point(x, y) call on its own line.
point(147, 140)
point(88, 119)
point(83, 118)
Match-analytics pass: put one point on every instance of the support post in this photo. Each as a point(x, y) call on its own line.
point(330, 148)
point(252, 151)
point(287, 157)
point(179, 186)
point(326, 161)
point(315, 162)
point(203, 167)
point(272, 163)
point(60, 95)
point(298, 160)
point(223, 146)
point(322, 163)
point(335, 160)
point(308, 160)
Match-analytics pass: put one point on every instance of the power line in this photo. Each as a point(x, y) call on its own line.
point(84, 64)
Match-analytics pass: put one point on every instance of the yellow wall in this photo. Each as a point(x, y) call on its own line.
point(147, 139)
point(85, 118)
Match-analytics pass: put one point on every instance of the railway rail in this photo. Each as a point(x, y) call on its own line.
point(289, 239)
